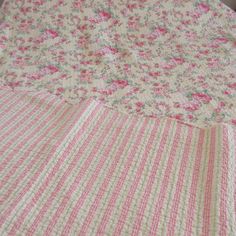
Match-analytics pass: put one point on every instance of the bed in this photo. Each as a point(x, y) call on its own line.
point(117, 117)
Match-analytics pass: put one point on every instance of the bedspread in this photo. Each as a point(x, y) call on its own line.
point(117, 117)
point(89, 170)
point(154, 58)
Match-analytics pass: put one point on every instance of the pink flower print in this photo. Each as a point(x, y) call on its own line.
point(107, 50)
point(154, 74)
point(3, 41)
point(94, 20)
point(233, 121)
point(77, 4)
point(177, 60)
point(34, 76)
point(25, 10)
point(140, 44)
point(14, 84)
point(190, 106)
point(104, 15)
point(221, 40)
point(158, 32)
point(167, 66)
point(221, 104)
point(120, 83)
point(133, 91)
point(23, 49)
point(132, 6)
point(227, 92)
point(204, 52)
point(233, 85)
point(51, 33)
point(83, 27)
point(139, 104)
point(106, 92)
point(177, 116)
point(203, 7)
point(60, 90)
point(38, 2)
point(201, 97)
point(50, 69)
point(190, 117)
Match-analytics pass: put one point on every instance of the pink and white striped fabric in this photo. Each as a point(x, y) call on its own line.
point(89, 170)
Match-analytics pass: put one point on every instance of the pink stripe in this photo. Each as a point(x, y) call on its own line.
point(30, 149)
point(100, 193)
point(26, 170)
point(27, 187)
point(49, 177)
point(20, 111)
point(224, 184)
point(165, 182)
point(118, 186)
point(208, 188)
point(110, 145)
point(193, 189)
point(4, 96)
point(106, 181)
point(88, 187)
point(20, 145)
point(68, 193)
point(5, 102)
point(69, 170)
point(25, 109)
point(147, 191)
point(134, 185)
point(179, 185)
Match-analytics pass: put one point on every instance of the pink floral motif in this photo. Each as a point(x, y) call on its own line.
point(201, 97)
point(203, 7)
point(120, 83)
point(78, 3)
point(50, 69)
point(51, 33)
point(104, 15)
point(190, 106)
point(233, 85)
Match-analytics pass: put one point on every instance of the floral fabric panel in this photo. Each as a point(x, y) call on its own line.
point(172, 58)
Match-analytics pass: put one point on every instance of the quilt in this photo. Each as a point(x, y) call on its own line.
point(86, 169)
point(117, 117)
